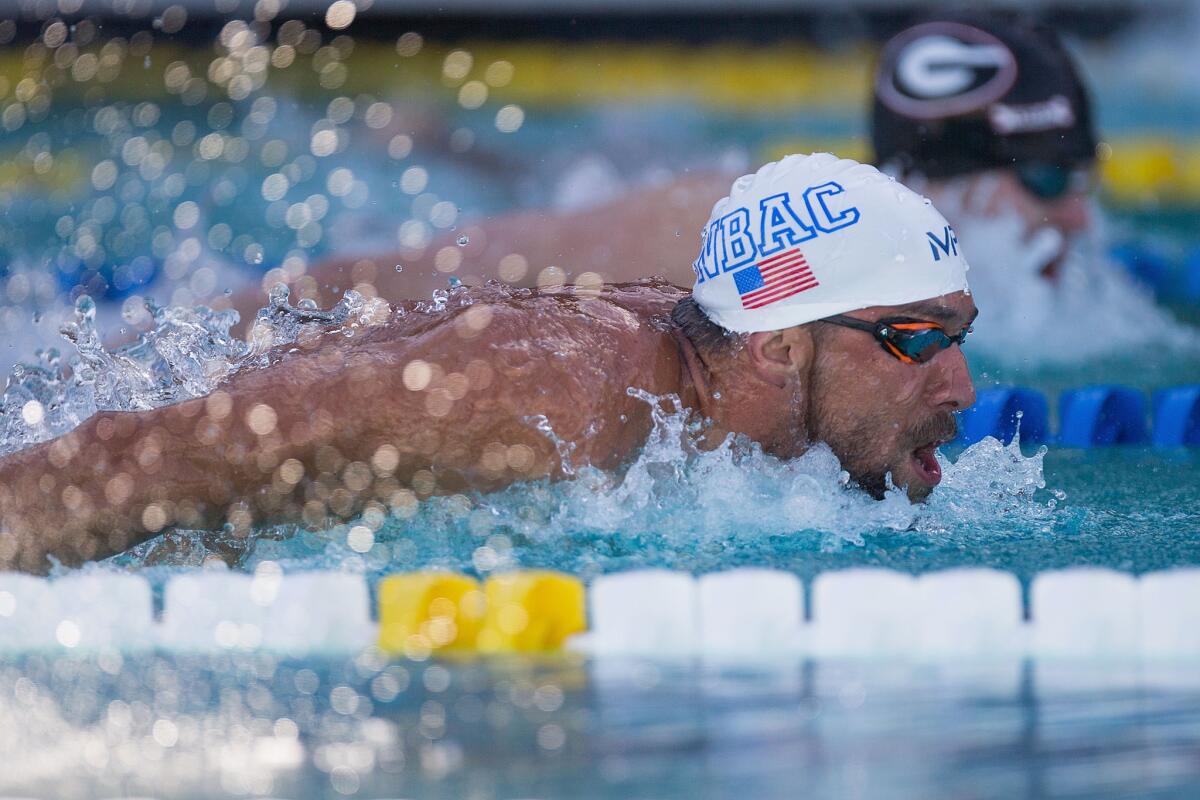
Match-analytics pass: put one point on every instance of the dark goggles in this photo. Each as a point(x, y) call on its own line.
point(1052, 181)
point(913, 341)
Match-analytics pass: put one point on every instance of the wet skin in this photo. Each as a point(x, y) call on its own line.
point(441, 403)
point(883, 416)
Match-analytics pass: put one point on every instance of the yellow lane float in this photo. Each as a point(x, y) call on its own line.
point(424, 613)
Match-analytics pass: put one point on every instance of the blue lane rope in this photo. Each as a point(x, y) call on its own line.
point(1177, 417)
point(1001, 412)
point(1102, 415)
point(1090, 416)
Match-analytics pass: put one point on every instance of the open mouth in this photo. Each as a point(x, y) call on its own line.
point(1051, 269)
point(925, 464)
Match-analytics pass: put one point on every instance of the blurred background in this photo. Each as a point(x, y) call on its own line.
point(183, 152)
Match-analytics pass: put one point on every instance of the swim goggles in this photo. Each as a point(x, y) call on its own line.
point(1050, 181)
point(913, 341)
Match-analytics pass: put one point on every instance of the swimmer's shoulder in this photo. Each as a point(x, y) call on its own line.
point(650, 299)
point(622, 316)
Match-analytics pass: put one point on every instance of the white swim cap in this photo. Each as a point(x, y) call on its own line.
point(807, 237)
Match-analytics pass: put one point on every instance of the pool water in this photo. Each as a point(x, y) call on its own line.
point(1130, 509)
point(188, 727)
point(184, 222)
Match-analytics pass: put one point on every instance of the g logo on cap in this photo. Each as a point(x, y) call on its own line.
point(944, 69)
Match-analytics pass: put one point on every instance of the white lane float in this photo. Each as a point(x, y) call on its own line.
point(740, 615)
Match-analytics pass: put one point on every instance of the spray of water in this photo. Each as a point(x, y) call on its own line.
point(679, 505)
point(1093, 310)
point(186, 354)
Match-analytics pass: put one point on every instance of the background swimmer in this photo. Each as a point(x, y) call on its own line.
point(990, 116)
point(822, 313)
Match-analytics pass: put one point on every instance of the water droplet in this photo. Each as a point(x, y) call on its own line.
point(85, 307)
point(399, 268)
point(278, 296)
point(464, 240)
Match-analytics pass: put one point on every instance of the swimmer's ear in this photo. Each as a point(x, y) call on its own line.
point(777, 357)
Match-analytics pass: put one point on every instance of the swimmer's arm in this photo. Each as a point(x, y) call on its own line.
point(647, 231)
point(318, 438)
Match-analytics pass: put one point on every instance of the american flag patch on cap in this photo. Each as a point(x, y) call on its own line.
point(782, 275)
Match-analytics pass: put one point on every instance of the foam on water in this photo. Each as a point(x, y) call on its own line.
point(677, 505)
point(1094, 309)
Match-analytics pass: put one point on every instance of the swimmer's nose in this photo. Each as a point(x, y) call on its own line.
point(952, 388)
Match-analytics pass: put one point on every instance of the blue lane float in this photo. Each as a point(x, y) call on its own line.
point(1177, 417)
point(1191, 276)
point(1096, 416)
point(1146, 265)
point(1002, 411)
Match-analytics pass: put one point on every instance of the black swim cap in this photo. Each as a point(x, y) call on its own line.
point(971, 92)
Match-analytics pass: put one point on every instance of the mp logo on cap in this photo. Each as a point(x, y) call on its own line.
point(944, 69)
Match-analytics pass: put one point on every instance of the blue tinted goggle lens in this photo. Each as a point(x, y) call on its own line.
point(916, 341)
point(1047, 181)
point(924, 345)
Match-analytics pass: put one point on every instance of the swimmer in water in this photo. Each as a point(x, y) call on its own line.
point(989, 116)
point(829, 305)
point(984, 113)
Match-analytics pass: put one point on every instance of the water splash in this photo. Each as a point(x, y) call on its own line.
point(685, 506)
point(186, 354)
point(1094, 309)
point(455, 295)
point(280, 323)
point(564, 448)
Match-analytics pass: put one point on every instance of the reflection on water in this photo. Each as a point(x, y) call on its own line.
point(190, 727)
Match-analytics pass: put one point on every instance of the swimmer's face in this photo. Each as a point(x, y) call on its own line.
point(881, 415)
point(1069, 214)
